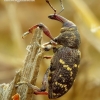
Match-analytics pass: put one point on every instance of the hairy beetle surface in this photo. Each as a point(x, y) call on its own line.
point(65, 62)
point(64, 65)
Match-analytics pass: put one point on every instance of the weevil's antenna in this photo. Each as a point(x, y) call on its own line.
point(61, 2)
point(54, 8)
point(51, 6)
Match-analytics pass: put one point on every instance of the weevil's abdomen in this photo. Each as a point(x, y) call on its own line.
point(63, 70)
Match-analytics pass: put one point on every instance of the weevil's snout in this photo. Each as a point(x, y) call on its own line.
point(64, 21)
point(52, 16)
point(55, 17)
point(58, 18)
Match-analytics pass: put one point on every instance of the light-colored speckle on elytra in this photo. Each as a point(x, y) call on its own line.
point(67, 67)
point(79, 53)
point(60, 75)
point(63, 80)
point(66, 37)
point(71, 78)
point(54, 94)
point(52, 72)
point(58, 94)
point(65, 86)
point(49, 78)
point(75, 65)
point(71, 73)
point(61, 85)
point(66, 89)
point(61, 61)
point(56, 83)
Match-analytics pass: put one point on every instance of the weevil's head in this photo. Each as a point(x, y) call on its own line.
point(69, 35)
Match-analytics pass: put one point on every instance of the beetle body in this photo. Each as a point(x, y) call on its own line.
point(65, 61)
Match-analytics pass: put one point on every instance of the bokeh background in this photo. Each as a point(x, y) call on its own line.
point(17, 17)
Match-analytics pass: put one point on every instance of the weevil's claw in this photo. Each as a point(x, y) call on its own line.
point(29, 31)
point(41, 93)
point(25, 34)
point(32, 28)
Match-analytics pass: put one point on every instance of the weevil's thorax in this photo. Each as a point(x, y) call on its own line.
point(68, 37)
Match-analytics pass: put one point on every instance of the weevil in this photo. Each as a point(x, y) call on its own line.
point(64, 64)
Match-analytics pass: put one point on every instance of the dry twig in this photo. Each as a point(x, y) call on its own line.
point(27, 74)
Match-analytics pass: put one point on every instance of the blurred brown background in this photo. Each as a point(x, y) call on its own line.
point(17, 17)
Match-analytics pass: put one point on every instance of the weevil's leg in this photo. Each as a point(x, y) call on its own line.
point(42, 90)
point(45, 80)
point(55, 49)
point(47, 57)
point(42, 27)
point(51, 6)
point(36, 90)
point(49, 45)
point(61, 2)
point(41, 93)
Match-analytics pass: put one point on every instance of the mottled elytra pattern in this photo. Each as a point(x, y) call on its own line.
point(64, 64)
point(63, 70)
